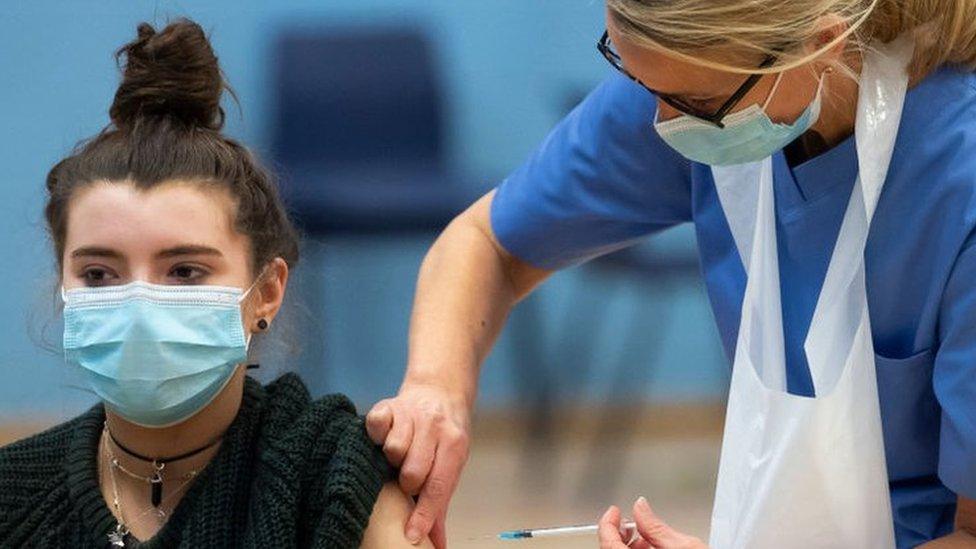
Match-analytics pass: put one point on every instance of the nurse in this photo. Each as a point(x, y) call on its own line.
point(825, 151)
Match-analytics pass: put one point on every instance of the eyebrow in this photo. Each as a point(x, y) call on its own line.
point(95, 251)
point(176, 251)
point(188, 249)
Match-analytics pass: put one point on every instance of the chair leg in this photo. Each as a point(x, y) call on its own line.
point(535, 389)
point(614, 438)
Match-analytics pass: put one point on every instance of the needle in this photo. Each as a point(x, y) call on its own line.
point(628, 529)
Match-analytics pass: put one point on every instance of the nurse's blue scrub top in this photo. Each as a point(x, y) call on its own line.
point(603, 179)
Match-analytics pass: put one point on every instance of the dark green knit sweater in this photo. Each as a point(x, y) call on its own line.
point(291, 472)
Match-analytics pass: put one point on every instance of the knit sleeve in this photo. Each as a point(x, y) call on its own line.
point(32, 483)
point(341, 496)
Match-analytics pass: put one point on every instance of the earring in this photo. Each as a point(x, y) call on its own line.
point(262, 324)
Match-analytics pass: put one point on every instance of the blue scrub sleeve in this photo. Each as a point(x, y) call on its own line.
point(601, 180)
point(954, 376)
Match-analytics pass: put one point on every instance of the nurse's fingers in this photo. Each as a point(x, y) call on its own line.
point(398, 440)
point(438, 535)
point(658, 533)
point(437, 490)
point(419, 459)
point(379, 420)
point(609, 530)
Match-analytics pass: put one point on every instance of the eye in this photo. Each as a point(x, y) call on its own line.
point(98, 276)
point(187, 274)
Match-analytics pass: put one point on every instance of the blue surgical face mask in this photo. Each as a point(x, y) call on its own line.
point(748, 136)
point(155, 354)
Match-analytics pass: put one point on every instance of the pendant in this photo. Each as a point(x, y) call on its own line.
point(156, 496)
point(156, 483)
point(117, 536)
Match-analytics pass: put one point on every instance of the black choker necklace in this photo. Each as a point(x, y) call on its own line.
point(164, 461)
point(156, 480)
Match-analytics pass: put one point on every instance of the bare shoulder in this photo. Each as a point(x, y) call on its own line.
point(386, 524)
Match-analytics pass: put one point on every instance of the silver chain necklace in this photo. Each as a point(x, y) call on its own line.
point(158, 464)
point(117, 536)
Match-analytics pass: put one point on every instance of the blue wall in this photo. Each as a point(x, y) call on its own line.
point(511, 67)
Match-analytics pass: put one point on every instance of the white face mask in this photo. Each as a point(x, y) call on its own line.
point(749, 135)
point(155, 354)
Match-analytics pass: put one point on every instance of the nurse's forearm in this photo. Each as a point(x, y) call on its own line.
point(461, 303)
point(466, 288)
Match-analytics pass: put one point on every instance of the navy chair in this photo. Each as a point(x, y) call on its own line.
point(358, 145)
point(358, 139)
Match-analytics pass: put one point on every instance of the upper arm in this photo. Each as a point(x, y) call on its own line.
point(523, 277)
point(342, 474)
point(386, 524)
point(600, 180)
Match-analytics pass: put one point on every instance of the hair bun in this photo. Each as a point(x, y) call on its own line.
point(173, 73)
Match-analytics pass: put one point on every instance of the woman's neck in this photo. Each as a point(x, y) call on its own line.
point(202, 430)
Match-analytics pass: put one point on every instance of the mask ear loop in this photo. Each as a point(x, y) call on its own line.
point(253, 284)
point(772, 92)
point(247, 341)
point(779, 78)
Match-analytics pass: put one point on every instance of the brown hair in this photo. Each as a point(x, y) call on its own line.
point(945, 30)
point(166, 125)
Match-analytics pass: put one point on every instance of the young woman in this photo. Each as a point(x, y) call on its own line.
point(784, 130)
point(174, 254)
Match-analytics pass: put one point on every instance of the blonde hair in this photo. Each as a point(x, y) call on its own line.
point(945, 30)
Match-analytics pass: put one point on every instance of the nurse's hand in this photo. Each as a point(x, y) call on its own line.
point(425, 431)
point(651, 531)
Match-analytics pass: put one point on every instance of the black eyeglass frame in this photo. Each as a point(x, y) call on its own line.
point(674, 102)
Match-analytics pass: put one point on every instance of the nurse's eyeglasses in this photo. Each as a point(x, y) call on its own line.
point(675, 102)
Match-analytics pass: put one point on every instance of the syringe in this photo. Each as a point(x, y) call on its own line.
point(627, 529)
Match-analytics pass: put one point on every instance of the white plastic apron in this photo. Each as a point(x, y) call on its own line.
point(801, 472)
